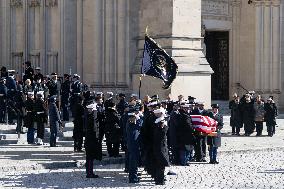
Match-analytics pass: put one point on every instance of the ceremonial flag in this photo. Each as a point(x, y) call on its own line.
point(204, 124)
point(157, 63)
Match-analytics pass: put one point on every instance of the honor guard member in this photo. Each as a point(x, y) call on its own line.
point(19, 104)
point(39, 86)
point(11, 92)
point(54, 88)
point(122, 104)
point(133, 127)
point(65, 95)
point(78, 131)
point(100, 116)
point(92, 145)
point(3, 96)
point(29, 117)
point(113, 131)
point(38, 75)
point(40, 116)
point(160, 148)
point(200, 146)
point(54, 120)
point(76, 90)
point(109, 100)
point(29, 72)
point(215, 141)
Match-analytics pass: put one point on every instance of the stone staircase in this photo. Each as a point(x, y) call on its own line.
point(24, 157)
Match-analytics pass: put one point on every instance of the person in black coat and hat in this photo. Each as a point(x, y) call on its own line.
point(41, 116)
point(184, 135)
point(78, 131)
point(160, 148)
point(29, 117)
point(113, 131)
point(3, 99)
point(214, 142)
point(236, 120)
point(248, 115)
point(65, 95)
point(270, 115)
point(92, 144)
point(29, 72)
point(54, 120)
point(133, 126)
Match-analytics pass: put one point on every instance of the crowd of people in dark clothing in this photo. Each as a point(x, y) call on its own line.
point(251, 111)
point(153, 133)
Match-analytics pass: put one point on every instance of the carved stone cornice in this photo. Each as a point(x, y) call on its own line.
point(51, 3)
point(236, 3)
point(34, 3)
point(16, 3)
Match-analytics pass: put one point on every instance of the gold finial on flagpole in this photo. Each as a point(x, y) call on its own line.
point(146, 30)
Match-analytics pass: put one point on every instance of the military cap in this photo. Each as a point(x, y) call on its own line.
point(155, 97)
point(30, 93)
point(191, 98)
point(37, 68)
point(28, 63)
point(110, 93)
point(76, 76)
point(215, 105)
point(121, 95)
point(40, 94)
point(66, 75)
point(99, 93)
point(53, 74)
point(134, 95)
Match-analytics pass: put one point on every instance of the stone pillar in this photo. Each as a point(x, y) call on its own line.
point(258, 46)
point(79, 38)
point(266, 47)
point(183, 43)
point(235, 68)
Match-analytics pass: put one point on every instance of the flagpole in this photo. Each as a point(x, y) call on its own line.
point(140, 77)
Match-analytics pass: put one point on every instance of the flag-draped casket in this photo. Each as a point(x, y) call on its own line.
point(204, 124)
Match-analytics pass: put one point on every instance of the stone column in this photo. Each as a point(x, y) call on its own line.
point(79, 38)
point(235, 69)
point(276, 67)
point(258, 46)
point(183, 43)
point(266, 47)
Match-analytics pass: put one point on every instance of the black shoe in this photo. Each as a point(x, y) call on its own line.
point(216, 162)
point(203, 160)
point(126, 170)
point(238, 134)
point(171, 173)
point(211, 162)
point(92, 176)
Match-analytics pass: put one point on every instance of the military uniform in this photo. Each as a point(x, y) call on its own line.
point(270, 117)
point(54, 120)
point(78, 131)
point(29, 72)
point(76, 90)
point(65, 95)
point(133, 127)
point(40, 117)
point(11, 92)
point(19, 104)
point(3, 96)
point(93, 147)
point(29, 118)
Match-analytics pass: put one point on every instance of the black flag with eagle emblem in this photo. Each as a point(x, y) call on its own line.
point(157, 63)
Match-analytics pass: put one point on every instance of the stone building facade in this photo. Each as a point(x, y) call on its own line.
point(237, 42)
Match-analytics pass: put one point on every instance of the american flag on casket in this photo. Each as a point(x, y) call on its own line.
point(204, 124)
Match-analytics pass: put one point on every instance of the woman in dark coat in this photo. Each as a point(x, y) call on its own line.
point(214, 142)
point(113, 131)
point(160, 148)
point(54, 120)
point(248, 116)
point(236, 121)
point(93, 147)
point(270, 116)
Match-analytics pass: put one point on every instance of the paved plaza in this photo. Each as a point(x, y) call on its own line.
point(245, 162)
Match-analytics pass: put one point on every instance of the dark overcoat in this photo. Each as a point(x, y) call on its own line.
point(160, 148)
point(92, 145)
point(236, 115)
point(271, 113)
point(112, 129)
point(184, 130)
